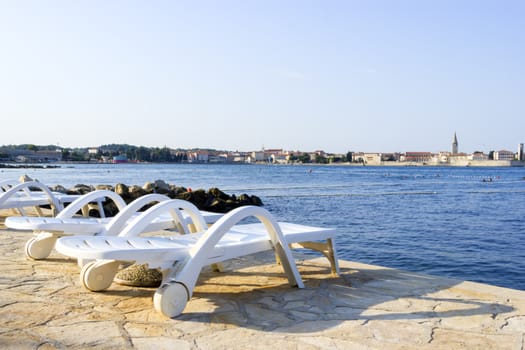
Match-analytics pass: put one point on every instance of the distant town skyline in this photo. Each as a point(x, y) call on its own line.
point(380, 76)
point(124, 153)
point(454, 148)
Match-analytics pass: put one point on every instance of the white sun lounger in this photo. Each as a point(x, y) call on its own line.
point(17, 196)
point(181, 257)
point(67, 222)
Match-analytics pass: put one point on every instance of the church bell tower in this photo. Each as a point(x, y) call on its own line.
point(455, 145)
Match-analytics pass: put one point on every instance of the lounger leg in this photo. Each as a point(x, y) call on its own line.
point(40, 247)
point(171, 297)
point(217, 267)
point(327, 249)
point(85, 211)
point(39, 211)
point(21, 211)
point(290, 269)
point(98, 275)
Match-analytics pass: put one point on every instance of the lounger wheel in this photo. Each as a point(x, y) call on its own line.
point(39, 248)
point(98, 275)
point(171, 299)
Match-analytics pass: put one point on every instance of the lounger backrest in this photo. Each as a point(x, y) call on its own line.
point(174, 206)
point(82, 201)
point(115, 225)
point(196, 217)
point(25, 186)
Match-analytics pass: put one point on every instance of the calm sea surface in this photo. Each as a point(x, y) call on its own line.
point(466, 223)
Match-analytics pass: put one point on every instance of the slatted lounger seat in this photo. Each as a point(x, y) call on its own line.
point(181, 257)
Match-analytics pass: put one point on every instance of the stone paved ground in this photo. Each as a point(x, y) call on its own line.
point(251, 306)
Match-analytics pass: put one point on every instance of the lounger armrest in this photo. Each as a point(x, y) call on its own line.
point(200, 252)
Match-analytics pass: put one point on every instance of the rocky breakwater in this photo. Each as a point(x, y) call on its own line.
point(213, 199)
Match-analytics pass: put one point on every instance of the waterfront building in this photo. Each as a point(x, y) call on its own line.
point(478, 156)
point(504, 155)
point(30, 156)
point(279, 158)
point(372, 158)
point(458, 159)
point(218, 158)
point(239, 157)
point(199, 156)
point(275, 152)
point(443, 157)
point(257, 156)
point(120, 159)
point(358, 157)
point(418, 157)
point(520, 152)
point(390, 157)
point(317, 154)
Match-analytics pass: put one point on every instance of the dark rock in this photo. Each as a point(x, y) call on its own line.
point(122, 190)
point(175, 190)
point(105, 187)
point(149, 187)
point(215, 192)
point(110, 209)
point(80, 189)
point(135, 192)
point(256, 201)
point(197, 197)
point(161, 187)
point(58, 188)
point(218, 206)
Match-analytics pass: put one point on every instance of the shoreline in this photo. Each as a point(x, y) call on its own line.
point(464, 164)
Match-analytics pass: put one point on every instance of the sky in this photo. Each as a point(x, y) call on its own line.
point(338, 76)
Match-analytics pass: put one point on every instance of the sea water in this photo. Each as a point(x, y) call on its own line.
point(465, 223)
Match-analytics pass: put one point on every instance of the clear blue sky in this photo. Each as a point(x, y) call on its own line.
point(375, 76)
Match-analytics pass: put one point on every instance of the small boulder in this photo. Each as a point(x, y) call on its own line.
point(149, 187)
point(161, 187)
point(25, 178)
point(81, 189)
point(105, 187)
point(122, 190)
point(135, 192)
point(215, 192)
point(59, 188)
point(176, 190)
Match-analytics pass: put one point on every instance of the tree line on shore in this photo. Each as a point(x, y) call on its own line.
point(85, 154)
point(142, 154)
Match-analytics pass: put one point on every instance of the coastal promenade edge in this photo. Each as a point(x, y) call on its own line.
point(251, 306)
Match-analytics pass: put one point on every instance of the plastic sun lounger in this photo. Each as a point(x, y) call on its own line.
point(182, 257)
point(17, 196)
point(48, 230)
